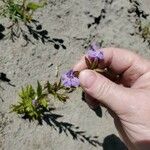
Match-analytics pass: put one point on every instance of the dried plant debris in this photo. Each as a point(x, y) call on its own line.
point(144, 32)
point(142, 26)
point(137, 11)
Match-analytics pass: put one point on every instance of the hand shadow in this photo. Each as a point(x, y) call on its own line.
point(97, 110)
point(112, 142)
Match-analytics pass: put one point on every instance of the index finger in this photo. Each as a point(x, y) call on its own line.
point(119, 60)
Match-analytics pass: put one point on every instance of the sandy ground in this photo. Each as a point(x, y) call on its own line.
point(78, 23)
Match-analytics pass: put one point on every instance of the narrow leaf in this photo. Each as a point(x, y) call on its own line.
point(88, 63)
point(39, 89)
point(34, 6)
point(94, 64)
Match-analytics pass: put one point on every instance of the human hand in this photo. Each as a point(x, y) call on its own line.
point(129, 100)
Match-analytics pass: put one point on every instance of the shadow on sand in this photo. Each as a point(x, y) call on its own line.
point(112, 142)
point(30, 32)
point(68, 129)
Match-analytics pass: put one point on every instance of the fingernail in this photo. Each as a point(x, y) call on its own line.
point(87, 78)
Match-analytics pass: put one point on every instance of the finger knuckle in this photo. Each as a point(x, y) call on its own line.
point(104, 89)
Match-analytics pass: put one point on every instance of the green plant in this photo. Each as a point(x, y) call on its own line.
point(34, 103)
point(22, 23)
point(20, 13)
point(20, 10)
point(145, 32)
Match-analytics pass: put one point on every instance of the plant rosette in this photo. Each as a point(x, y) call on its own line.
point(34, 103)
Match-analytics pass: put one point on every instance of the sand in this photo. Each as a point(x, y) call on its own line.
point(78, 23)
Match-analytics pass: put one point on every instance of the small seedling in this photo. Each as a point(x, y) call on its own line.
point(33, 103)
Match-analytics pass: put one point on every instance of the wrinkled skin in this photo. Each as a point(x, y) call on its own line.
point(127, 101)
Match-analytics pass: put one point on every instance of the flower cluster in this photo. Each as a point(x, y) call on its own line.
point(69, 79)
point(94, 53)
point(94, 56)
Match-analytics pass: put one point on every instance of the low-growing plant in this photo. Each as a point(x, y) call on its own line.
point(22, 23)
point(19, 13)
point(33, 103)
point(20, 10)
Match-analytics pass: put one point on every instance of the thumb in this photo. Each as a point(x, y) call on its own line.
point(112, 95)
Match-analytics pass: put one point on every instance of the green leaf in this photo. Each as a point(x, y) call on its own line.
point(62, 97)
point(88, 63)
point(43, 102)
point(31, 92)
point(94, 64)
point(34, 6)
point(49, 87)
point(39, 89)
point(59, 83)
point(26, 105)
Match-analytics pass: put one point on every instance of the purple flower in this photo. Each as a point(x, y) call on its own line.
point(95, 53)
point(34, 101)
point(69, 80)
point(94, 46)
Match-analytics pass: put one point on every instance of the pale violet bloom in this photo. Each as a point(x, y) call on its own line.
point(69, 80)
point(34, 101)
point(94, 52)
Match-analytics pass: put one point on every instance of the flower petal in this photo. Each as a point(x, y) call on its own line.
point(69, 80)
